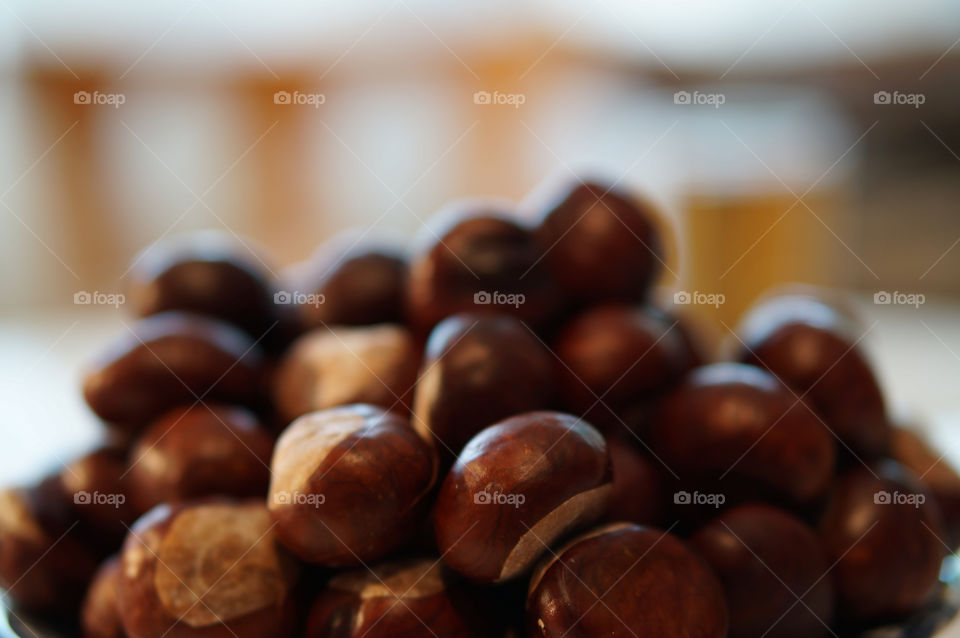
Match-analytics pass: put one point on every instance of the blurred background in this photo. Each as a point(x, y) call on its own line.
point(806, 140)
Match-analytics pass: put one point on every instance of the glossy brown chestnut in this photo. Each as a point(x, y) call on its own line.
point(410, 598)
point(340, 366)
point(625, 580)
point(814, 349)
point(884, 533)
point(349, 484)
point(639, 486)
point(170, 359)
point(196, 451)
point(773, 571)
point(97, 485)
point(941, 478)
point(211, 570)
point(478, 369)
point(207, 273)
point(601, 244)
point(617, 356)
point(474, 257)
point(517, 487)
point(100, 614)
point(730, 420)
point(349, 281)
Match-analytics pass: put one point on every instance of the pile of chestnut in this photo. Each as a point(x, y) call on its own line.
point(496, 432)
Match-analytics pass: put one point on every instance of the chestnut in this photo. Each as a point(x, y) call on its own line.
point(99, 614)
point(479, 369)
point(517, 487)
point(621, 579)
point(328, 367)
point(349, 281)
point(169, 359)
point(617, 357)
point(475, 256)
point(773, 572)
point(207, 273)
point(96, 483)
point(200, 450)
point(206, 569)
point(883, 532)
point(43, 565)
point(734, 421)
point(349, 484)
point(600, 243)
point(412, 597)
point(940, 477)
point(639, 486)
point(813, 348)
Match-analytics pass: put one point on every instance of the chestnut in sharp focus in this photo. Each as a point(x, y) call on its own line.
point(478, 369)
point(170, 359)
point(328, 367)
point(884, 533)
point(349, 484)
point(625, 580)
point(517, 487)
point(410, 598)
point(211, 570)
point(207, 273)
point(201, 450)
point(813, 348)
point(599, 243)
point(99, 614)
point(736, 421)
point(773, 571)
point(475, 257)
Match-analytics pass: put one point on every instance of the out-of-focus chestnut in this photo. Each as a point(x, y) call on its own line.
point(349, 484)
point(940, 477)
point(208, 273)
point(475, 257)
point(617, 356)
point(99, 614)
point(639, 486)
point(517, 487)
point(884, 534)
point(339, 366)
point(349, 281)
point(812, 347)
point(170, 359)
point(622, 579)
point(413, 597)
point(43, 565)
point(730, 420)
point(600, 243)
point(96, 482)
point(773, 571)
point(203, 450)
point(478, 369)
point(212, 570)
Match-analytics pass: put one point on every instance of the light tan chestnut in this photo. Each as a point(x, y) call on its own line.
point(517, 487)
point(328, 367)
point(206, 570)
point(349, 484)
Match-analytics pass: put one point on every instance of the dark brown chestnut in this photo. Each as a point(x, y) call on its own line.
point(814, 349)
point(621, 579)
point(211, 570)
point(476, 257)
point(96, 483)
point(207, 273)
point(884, 533)
point(350, 280)
point(328, 367)
point(201, 450)
point(100, 614)
point(170, 359)
point(773, 571)
point(349, 484)
point(413, 597)
point(600, 243)
point(734, 421)
point(639, 485)
point(941, 478)
point(517, 487)
point(478, 369)
point(616, 357)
